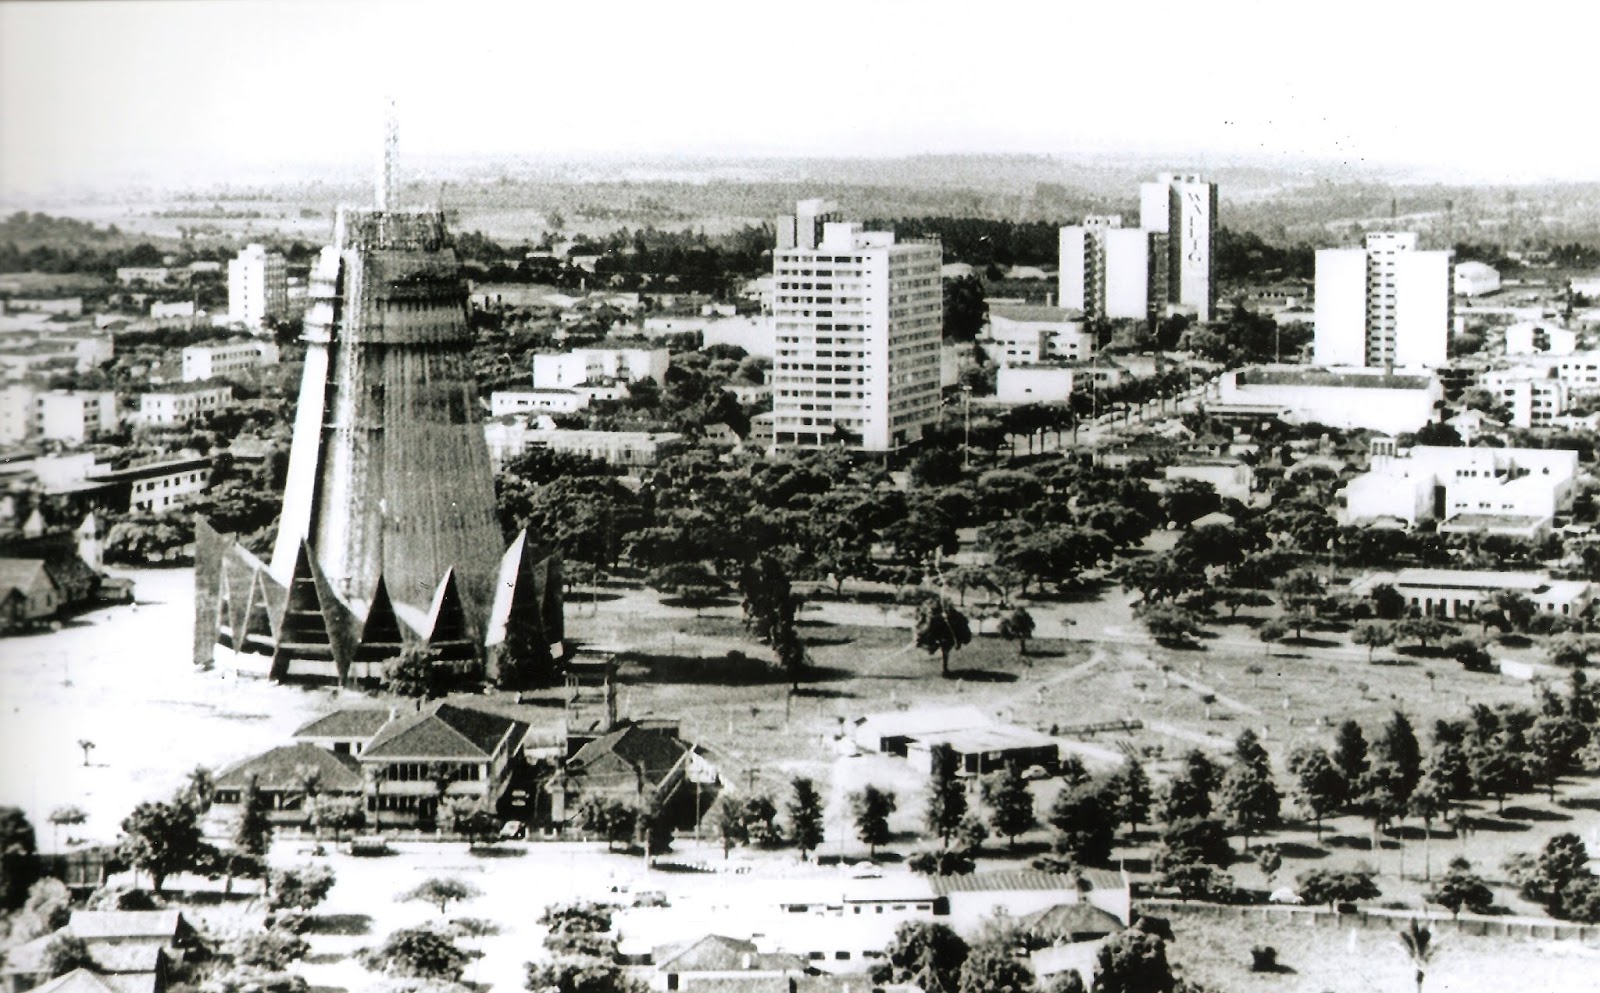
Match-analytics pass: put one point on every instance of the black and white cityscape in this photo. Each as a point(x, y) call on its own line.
point(869, 498)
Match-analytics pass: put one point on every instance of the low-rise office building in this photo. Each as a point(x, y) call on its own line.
point(201, 362)
point(510, 437)
point(157, 487)
point(1370, 399)
point(75, 416)
point(1033, 383)
point(1455, 593)
point(171, 408)
point(1515, 491)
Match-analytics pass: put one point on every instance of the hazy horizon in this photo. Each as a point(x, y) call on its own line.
point(98, 95)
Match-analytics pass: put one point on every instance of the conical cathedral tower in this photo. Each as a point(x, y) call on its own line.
point(390, 496)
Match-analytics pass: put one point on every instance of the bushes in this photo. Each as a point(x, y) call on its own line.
point(1263, 958)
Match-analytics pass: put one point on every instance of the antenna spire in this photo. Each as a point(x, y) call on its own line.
point(389, 160)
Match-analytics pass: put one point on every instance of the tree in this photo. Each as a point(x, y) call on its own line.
point(1188, 794)
point(419, 953)
point(965, 309)
point(1498, 769)
point(941, 628)
point(1398, 746)
point(1195, 840)
point(1169, 623)
point(1418, 943)
point(993, 967)
point(1350, 751)
point(1269, 859)
point(727, 823)
point(928, 955)
point(1422, 630)
point(17, 847)
point(947, 795)
point(1335, 886)
point(419, 673)
point(273, 950)
point(1017, 626)
point(47, 909)
point(253, 834)
point(871, 808)
point(299, 889)
point(1372, 634)
point(64, 953)
point(608, 817)
point(805, 815)
point(1548, 877)
point(161, 839)
point(580, 974)
point(441, 892)
point(338, 814)
point(87, 746)
point(1133, 962)
point(1010, 803)
point(1251, 800)
point(1461, 888)
point(1319, 785)
point(1132, 794)
point(471, 818)
point(1085, 822)
point(942, 862)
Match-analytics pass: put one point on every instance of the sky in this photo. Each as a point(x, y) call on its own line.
point(95, 92)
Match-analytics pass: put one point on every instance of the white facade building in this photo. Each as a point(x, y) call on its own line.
point(1388, 304)
point(202, 362)
point(173, 407)
point(503, 402)
point(75, 416)
point(857, 318)
point(1535, 338)
point(1456, 593)
point(1341, 398)
point(1184, 208)
point(1474, 279)
point(1032, 383)
point(1231, 478)
point(1535, 395)
point(1512, 490)
point(19, 405)
point(566, 370)
point(158, 487)
point(258, 286)
point(1106, 269)
point(1023, 334)
point(511, 437)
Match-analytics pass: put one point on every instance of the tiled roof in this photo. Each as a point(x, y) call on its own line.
point(92, 924)
point(1024, 879)
point(719, 953)
point(1065, 920)
point(282, 769)
point(350, 722)
point(21, 574)
point(443, 731)
point(630, 752)
point(77, 981)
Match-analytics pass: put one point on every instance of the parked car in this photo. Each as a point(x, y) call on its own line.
point(370, 845)
point(650, 898)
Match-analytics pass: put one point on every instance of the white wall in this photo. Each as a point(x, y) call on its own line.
point(1422, 308)
point(1341, 307)
point(1127, 273)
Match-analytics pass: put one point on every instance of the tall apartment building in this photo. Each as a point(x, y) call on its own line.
point(258, 286)
point(1387, 304)
point(1109, 271)
point(857, 320)
point(1184, 208)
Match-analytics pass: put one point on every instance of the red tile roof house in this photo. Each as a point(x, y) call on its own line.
point(286, 777)
point(133, 950)
point(635, 759)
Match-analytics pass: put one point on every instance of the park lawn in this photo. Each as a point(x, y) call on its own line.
point(1215, 952)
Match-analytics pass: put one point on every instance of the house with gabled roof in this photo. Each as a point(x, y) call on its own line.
point(286, 777)
point(132, 951)
point(27, 593)
point(635, 760)
point(693, 964)
point(439, 753)
point(345, 731)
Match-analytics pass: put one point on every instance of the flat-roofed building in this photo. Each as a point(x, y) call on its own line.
point(510, 437)
point(75, 416)
point(566, 370)
point(1473, 279)
point(857, 318)
point(503, 402)
point(156, 487)
point(1457, 593)
point(170, 408)
point(1033, 383)
point(1372, 399)
point(1024, 334)
point(202, 362)
point(1509, 490)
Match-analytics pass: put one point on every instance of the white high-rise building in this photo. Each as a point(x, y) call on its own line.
point(1388, 304)
point(1109, 271)
point(258, 286)
point(857, 320)
point(1184, 208)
